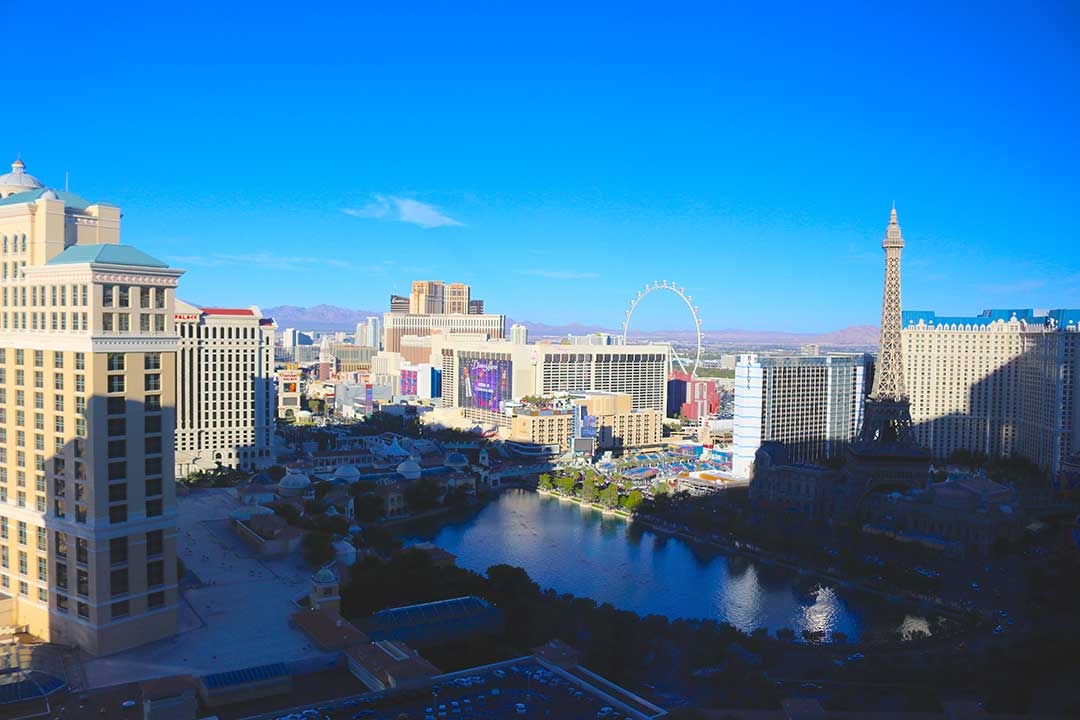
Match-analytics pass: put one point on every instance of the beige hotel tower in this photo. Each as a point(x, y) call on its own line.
point(87, 416)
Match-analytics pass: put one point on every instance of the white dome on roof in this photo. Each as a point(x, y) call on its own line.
point(410, 469)
point(456, 460)
point(325, 575)
point(348, 473)
point(18, 181)
point(295, 480)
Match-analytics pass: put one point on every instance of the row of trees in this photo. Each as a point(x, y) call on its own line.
point(590, 488)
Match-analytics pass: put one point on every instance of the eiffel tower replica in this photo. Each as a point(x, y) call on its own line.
point(885, 454)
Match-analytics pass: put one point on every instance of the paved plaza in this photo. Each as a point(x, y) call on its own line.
point(235, 616)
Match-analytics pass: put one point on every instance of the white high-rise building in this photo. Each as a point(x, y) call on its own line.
point(1001, 383)
point(811, 404)
point(369, 332)
point(225, 388)
point(87, 413)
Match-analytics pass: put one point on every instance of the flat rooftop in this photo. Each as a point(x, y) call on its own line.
point(237, 617)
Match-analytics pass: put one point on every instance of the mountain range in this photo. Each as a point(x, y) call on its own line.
point(327, 318)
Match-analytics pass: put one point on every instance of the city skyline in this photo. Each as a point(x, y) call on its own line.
point(567, 163)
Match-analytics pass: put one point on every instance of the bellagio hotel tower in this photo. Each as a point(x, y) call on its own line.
point(87, 417)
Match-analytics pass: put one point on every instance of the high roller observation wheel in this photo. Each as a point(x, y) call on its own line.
point(665, 286)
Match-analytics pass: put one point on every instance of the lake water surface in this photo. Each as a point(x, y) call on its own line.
point(583, 552)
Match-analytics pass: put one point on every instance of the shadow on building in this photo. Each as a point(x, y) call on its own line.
point(1027, 410)
point(88, 532)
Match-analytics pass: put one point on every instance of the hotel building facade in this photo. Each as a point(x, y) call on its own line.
point(481, 376)
point(1000, 383)
point(87, 415)
point(813, 405)
point(224, 388)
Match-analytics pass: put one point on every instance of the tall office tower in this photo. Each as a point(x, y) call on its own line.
point(87, 414)
point(519, 334)
point(224, 388)
point(812, 404)
point(399, 304)
point(428, 297)
point(886, 450)
point(457, 299)
point(1000, 383)
point(290, 337)
point(476, 307)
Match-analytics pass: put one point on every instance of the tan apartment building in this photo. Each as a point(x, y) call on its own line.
point(397, 326)
point(87, 415)
point(607, 417)
point(225, 388)
point(457, 299)
point(428, 297)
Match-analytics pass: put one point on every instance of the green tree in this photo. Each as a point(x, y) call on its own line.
point(565, 484)
point(317, 548)
point(609, 496)
point(380, 539)
point(288, 512)
point(633, 500)
point(423, 494)
point(588, 489)
point(544, 481)
point(367, 507)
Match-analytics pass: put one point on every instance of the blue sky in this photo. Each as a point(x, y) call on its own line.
point(559, 157)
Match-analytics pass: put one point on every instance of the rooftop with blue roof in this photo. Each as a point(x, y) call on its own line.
point(69, 199)
point(106, 255)
point(1061, 317)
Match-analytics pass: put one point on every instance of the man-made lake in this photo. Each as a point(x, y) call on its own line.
point(583, 552)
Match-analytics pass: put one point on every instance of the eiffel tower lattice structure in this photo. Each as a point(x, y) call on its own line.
point(885, 452)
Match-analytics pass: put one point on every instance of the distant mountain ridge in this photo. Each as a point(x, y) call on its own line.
point(323, 318)
point(327, 318)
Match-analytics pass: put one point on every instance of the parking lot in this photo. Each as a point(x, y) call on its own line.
point(522, 688)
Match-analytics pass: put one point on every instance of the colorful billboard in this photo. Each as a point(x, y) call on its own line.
point(584, 423)
point(484, 384)
point(409, 383)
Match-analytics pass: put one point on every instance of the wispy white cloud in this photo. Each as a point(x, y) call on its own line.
point(403, 209)
point(561, 274)
point(261, 260)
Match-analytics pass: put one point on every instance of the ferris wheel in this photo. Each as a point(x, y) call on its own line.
point(665, 286)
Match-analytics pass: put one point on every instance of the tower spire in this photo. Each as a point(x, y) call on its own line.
point(889, 373)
